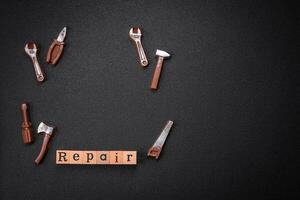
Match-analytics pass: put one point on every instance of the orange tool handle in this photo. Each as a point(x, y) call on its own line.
point(43, 149)
point(156, 74)
point(55, 52)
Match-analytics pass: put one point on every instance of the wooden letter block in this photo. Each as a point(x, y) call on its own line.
point(116, 157)
point(62, 157)
point(76, 157)
point(102, 157)
point(129, 157)
point(89, 157)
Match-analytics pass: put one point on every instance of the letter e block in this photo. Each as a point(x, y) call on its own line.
point(76, 157)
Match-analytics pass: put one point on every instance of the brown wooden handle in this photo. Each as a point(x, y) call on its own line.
point(24, 110)
point(27, 134)
point(154, 152)
point(26, 125)
point(43, 149)
point(55, 52)
point(156, 74)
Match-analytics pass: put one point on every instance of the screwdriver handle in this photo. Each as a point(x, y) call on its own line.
point(24, 111)
point(55, 52)
point(26, 125)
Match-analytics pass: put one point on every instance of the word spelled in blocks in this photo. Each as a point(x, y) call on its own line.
point(73, 157)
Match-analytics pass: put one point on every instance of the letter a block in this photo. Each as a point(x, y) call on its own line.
point(102, 157)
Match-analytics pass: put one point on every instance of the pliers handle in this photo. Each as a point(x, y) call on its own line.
point(55, 52)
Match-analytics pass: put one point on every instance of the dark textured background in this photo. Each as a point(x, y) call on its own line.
point(229, 87)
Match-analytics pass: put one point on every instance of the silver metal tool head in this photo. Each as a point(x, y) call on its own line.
point(135, 33)
point(62, 35)
point(156, 149)
point(44, 128)
point(162, 53)
point(31, 49)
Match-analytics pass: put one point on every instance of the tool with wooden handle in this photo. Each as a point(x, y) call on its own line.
point(56, 49)
point(26, 125)
point(156, 75)
point(156, 149)
point(48, 130)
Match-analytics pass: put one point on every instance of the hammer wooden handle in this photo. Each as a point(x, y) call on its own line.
point(54, 52)
point(156, 74)
point(43, 149)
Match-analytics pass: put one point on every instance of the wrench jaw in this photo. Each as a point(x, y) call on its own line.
point(31, 49)
point(135, 34)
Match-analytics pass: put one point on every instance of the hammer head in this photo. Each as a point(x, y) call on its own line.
point(162, 53)
point(44, 128)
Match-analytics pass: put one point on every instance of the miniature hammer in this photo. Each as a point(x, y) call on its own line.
point(48, 130)
point(161, 55)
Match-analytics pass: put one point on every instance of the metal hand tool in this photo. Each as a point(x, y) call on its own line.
point(26, 125)
point(57, 47)
point(31, 50)
point(161, 55)
point(48, 130)
point(135, 34)
point(155, 150)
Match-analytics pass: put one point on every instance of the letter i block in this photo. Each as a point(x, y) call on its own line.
point(62, 157)
point(76, 157)
point(116, 157)
point(129, 157)
point(89, 157)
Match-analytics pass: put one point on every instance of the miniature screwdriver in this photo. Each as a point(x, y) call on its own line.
point(26, 125)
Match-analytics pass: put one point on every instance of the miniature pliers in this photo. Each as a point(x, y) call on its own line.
point(56, 48)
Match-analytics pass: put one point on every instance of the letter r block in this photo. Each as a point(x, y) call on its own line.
point(62, 157)
point(129, 157)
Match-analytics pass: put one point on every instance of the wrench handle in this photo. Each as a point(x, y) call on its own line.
point(38, 71)
point(141, 52)
point(156, 74)
point(43, 149)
